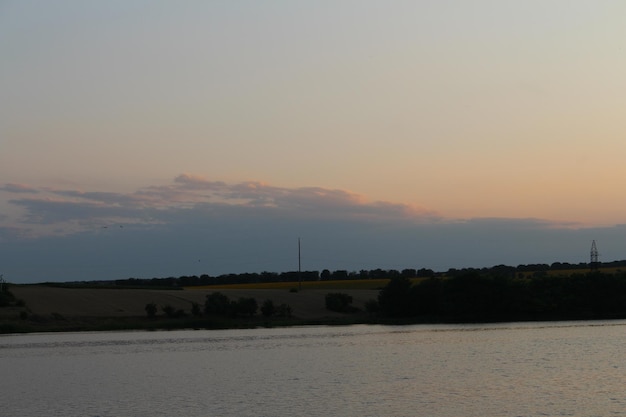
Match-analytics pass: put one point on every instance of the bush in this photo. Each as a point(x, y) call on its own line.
point(217, 303)
point(151, 310)
point(268, 308)
point(6, 298)
point(172, 313)
point(395, 298)
point(339, 302)
point(196, 310)
point(283, 310)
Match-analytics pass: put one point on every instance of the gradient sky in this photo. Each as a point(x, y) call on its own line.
point(157, 138)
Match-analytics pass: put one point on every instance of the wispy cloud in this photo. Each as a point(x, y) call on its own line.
point(18, 188)
point(520, 223)
point(195, 197)
point(251, 226)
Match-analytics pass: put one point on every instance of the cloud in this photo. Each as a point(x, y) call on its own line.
point(46, 211)
point(192, 198)
point(18, 188)
point(252, 227)
point(197, 182)
point(520, 223)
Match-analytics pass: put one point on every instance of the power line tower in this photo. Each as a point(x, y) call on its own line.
point(593, 262)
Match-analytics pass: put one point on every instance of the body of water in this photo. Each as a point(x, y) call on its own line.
point(524, 369)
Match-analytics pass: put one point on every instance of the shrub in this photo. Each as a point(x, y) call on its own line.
point(395, 298)
point(338, 302)
point(151, 310)
point(283, 310)
point(268, 308)
point(6, 298)
point(217, 303)
point(172, 313)
point(196, 310)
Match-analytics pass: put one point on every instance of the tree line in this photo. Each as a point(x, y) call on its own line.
point(475, 296)
point(341, 274)
point(218, 304)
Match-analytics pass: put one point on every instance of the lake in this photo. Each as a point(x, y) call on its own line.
point(522, 369)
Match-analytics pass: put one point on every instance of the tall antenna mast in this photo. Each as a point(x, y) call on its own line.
point(593, 262)
point(299, 268)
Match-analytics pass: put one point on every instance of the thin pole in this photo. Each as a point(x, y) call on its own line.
point(299, 267)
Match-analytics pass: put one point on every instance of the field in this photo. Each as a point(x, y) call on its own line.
point(356, 284)
point(47, 306)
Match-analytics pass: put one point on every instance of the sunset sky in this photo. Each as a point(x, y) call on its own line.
point(159, 138)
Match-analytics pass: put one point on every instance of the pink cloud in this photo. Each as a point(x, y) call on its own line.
point(18, 188)
point(195, 197)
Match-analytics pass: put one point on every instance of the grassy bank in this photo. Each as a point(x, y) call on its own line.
point(53, 308)
point(79, 324)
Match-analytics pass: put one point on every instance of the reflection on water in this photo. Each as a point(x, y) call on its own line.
point(526, 369)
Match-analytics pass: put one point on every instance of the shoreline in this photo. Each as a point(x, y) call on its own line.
point(54, 309)
point(97, 324)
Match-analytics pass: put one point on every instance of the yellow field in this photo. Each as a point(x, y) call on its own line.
point(359, 284)
point(566, 272)
point(350, 284)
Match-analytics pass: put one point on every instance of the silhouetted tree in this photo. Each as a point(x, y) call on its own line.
point(217, 303)
point(268, 309)
point(395, 298)
point(196, 310)
point(172, 312)
point(283, 310)
point(409, 273)
point(338, 302)
point(151, 309)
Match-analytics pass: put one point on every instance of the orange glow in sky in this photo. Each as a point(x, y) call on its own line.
point(481, 109)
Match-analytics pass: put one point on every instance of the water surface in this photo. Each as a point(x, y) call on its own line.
point(524, 369)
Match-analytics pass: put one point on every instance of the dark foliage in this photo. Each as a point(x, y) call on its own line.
point(395, 298)
point(217, 303)
point(536, 270)
point(283, 310)
point(372, 306)
point(196, 310)
point(339, 302)
point(7, 298)
point(173, 313)
point(268, 309)
point(151, 309)
point(487, 296)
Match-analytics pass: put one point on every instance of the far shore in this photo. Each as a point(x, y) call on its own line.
point(86, 307)
point(52, 308)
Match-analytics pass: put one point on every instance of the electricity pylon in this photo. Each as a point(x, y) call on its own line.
point(593, 262)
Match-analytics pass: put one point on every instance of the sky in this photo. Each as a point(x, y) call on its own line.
point(156, 138)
